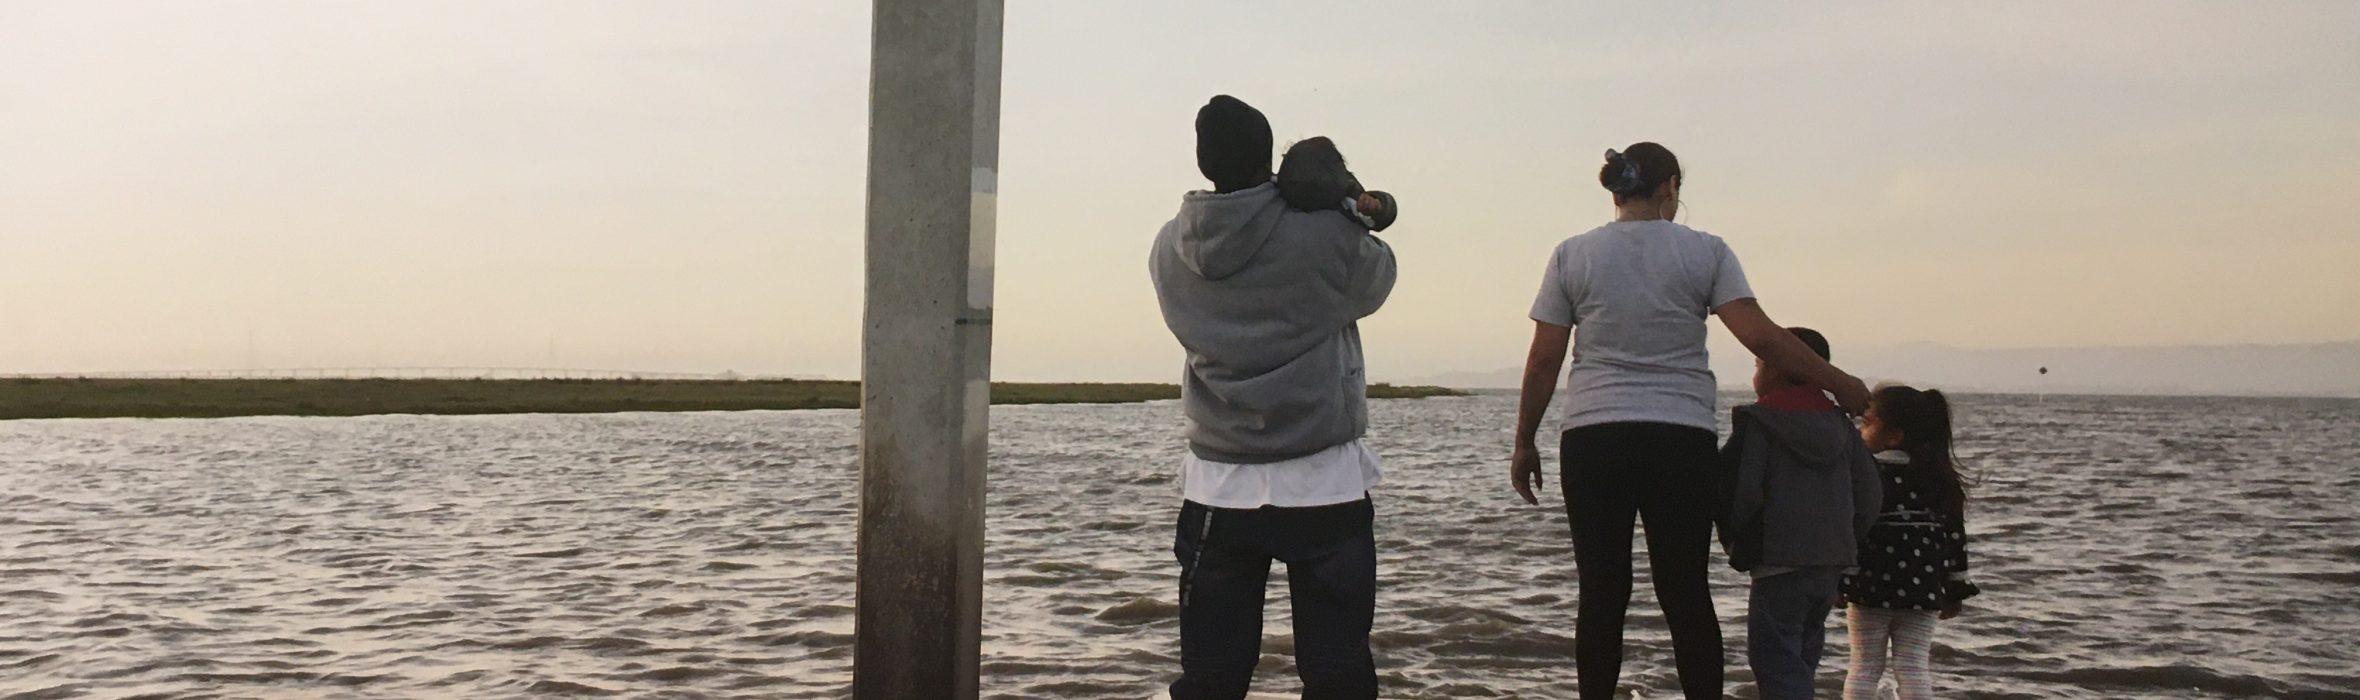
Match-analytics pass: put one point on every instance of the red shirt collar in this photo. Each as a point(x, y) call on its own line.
point(1798, 398)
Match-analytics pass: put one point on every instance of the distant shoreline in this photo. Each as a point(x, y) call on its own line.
point(34, 398)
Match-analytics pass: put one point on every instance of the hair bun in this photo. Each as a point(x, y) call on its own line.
point(1621, 174)
point(1638, 170)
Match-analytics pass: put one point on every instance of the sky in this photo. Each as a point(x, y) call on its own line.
point(678, 186)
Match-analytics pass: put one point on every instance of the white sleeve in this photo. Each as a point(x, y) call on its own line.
point(1728, 279)
point(1560, 293)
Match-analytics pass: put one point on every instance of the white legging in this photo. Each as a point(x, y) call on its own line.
point(1911, 636)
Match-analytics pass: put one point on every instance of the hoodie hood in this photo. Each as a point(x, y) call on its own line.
point(1818, 438)
point(1220, 232)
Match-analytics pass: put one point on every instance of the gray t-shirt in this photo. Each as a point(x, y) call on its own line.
point(1637, 294)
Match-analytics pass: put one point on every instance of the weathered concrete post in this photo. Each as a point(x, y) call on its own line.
point(934, 152)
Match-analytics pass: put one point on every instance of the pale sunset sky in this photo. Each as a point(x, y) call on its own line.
point(678, 185)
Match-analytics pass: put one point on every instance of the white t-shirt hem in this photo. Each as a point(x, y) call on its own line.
point(1340, 474)
point(1602, 418)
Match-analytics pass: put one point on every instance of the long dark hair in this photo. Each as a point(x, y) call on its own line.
point(1923, 417)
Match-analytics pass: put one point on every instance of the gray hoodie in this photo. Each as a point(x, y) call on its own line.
point(1802, 489)
point(1265, 299)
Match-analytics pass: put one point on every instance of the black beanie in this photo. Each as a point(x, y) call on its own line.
point(1232, 144)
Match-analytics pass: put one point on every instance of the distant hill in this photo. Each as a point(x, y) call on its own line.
point(2317, 369)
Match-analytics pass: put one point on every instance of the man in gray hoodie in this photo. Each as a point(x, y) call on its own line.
point(1265, 299)
point(1802, 492)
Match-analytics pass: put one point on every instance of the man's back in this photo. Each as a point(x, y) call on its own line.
point(1265, 299)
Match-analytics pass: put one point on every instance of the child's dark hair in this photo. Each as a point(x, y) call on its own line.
point(1636, 172)
point(1313, 176)
point(1923, 417)
point(1812, 339)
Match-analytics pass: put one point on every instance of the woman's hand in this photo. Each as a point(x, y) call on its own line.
point(1852, 394)
point(1777, 346)
point(1540, 380)
point(1524, 472)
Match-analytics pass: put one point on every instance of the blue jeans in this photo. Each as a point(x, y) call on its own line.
point(1786, 622)
point(1225, 555)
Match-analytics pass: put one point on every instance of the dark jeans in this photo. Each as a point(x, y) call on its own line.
point(1617, 472)
point(1225, 555)
point(1786, 622)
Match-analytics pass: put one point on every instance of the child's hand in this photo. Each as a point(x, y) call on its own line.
point(1368, 204)
point(1952, 609)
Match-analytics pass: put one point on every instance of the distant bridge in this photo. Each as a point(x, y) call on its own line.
point(508, 373)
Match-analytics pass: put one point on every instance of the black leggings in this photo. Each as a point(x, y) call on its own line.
point(1664, 473)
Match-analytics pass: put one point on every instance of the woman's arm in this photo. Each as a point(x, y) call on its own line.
point(1540, 383)
point(1770, 341)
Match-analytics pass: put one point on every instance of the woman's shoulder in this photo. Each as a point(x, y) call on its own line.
point(1646, 234)
point(1701, 236)
point(1682, 235)
point(1614, 232)
point(1595, 233)
point(1576, 245)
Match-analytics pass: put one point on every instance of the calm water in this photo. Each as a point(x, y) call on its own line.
point(2165, 548)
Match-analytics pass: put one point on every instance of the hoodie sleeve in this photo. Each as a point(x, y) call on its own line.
point(1742, 463)
point(1370, 279)
point(1868, 490)
point(1731, 467)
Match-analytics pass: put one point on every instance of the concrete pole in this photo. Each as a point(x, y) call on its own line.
point(934, 150)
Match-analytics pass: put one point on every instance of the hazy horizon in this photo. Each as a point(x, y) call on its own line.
point(678, 186)
point(2307, 370)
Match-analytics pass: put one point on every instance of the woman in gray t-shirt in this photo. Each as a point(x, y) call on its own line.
point(1638, 440)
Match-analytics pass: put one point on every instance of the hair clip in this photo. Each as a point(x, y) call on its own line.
point(1630, 172)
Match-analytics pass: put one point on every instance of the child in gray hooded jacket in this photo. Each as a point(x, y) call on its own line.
point(1802, 491)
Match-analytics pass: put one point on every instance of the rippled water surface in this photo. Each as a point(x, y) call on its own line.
point(2129, 547)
